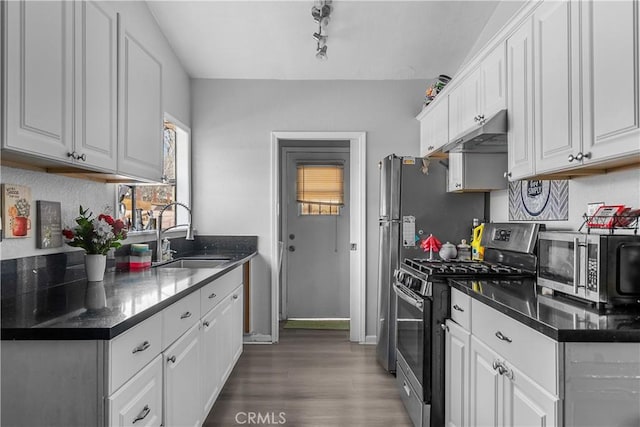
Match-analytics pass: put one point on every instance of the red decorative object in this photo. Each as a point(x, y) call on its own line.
point(431, 244)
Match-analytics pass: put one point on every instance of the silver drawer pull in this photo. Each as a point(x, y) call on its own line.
point(186, 315)
point(142, 415)
point(406, 388)
point(503, 337)
point(458, 308)
point(212, 296)
point(235, 297)
point(142, 347)
point(205, 324)
point(171, 359)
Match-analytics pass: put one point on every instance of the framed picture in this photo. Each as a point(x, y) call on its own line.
point(48, 225)
point(16, 211)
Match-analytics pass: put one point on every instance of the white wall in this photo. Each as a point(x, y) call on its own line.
point(231, 126)
point(616, 188)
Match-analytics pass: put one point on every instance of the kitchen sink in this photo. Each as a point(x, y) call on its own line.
point(195, 263)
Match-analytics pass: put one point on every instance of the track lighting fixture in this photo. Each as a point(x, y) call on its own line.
point(321, 12)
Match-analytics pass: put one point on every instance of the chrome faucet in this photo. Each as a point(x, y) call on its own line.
point(159, 229)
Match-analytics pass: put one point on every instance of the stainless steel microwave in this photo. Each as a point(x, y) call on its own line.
point(604, 269)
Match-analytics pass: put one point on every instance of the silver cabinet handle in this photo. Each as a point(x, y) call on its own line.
point(142, 415)
point(430, 147)
point(444, 327)
point(73, 155)
point(186, 315)
point(503, 337)
point(458, 185)
point(581, 156)
point(171, 359)
point(235, 297)
point(205, 324)
point(495, 365)
point(212, 296)
point(82, 157)
point(571, 158)
point(458, 308)
point(507, 175)
point(406, 388)
point(142, 347)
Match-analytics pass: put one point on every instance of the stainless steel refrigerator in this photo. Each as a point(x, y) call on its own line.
point(414, 204)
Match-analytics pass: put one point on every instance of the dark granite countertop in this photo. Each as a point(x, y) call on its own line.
point(556, 316)
point(80, 310)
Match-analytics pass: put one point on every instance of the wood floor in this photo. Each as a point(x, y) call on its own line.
point(314, 378)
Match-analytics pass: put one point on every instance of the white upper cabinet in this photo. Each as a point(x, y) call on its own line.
point(493, 83)
point(519, 102)
point(481, 94)
point(464, 105)
point(140, 109)
point(611, 76)
point(97, 81)
point(39, 78)
point(434, 127)
point(556, 83)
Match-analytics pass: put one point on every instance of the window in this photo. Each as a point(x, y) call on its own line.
point(140, 204)
point(320, 188)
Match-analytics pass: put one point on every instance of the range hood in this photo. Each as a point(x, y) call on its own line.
point(489, 136)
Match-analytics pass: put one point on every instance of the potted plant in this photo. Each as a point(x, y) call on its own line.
point(96, 236)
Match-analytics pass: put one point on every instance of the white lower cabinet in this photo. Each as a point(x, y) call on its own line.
point(211, 364)
point(139, 401)
point(182, 380)
point(494, 379)
point(456, 377)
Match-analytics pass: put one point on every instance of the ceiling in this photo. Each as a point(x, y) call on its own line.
point(368, 40)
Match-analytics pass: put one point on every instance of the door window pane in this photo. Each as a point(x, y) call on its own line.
point(320, 188)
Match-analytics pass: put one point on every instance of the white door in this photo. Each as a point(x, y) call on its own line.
point(316, 246)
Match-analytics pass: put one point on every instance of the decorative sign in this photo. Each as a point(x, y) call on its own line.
point(16, 211)
point(48, 225)
point(539, 200)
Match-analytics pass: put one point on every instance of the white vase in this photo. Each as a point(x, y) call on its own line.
point(95, 264)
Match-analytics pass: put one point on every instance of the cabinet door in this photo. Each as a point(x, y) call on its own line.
point(520, 103)
point(493, 83)
point(485, 386)
point(39, 78)
point(211, 360)
point(464, 105)
point(456, 377)
point(140, 108)
point(139, 401)
point(434, 128)
point(226, 356)
point(182, 381)
point(611, 74)
point(526, 403)
point(557, 80)
point(238, 320)
point(96, 84)
point(456, 172)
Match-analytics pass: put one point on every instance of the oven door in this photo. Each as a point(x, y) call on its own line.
point(412, 336)
point(560, 262)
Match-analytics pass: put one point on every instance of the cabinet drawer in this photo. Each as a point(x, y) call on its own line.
point(139, 401)
point(179, 317)
point(461, 309)
point(216, 291)
point(412, 403)
point(528, 350)
point(131, 351)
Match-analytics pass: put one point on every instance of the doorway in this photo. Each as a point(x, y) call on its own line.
point(357, 224)
point(315, 230)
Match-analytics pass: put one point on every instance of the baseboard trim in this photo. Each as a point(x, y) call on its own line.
point(257, 339)
point(370, 340)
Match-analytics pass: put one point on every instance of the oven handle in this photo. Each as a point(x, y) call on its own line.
point(404, 295)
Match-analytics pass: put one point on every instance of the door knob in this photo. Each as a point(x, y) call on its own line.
point(292, 248)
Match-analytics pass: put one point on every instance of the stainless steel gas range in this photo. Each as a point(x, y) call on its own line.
point(423, 305)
